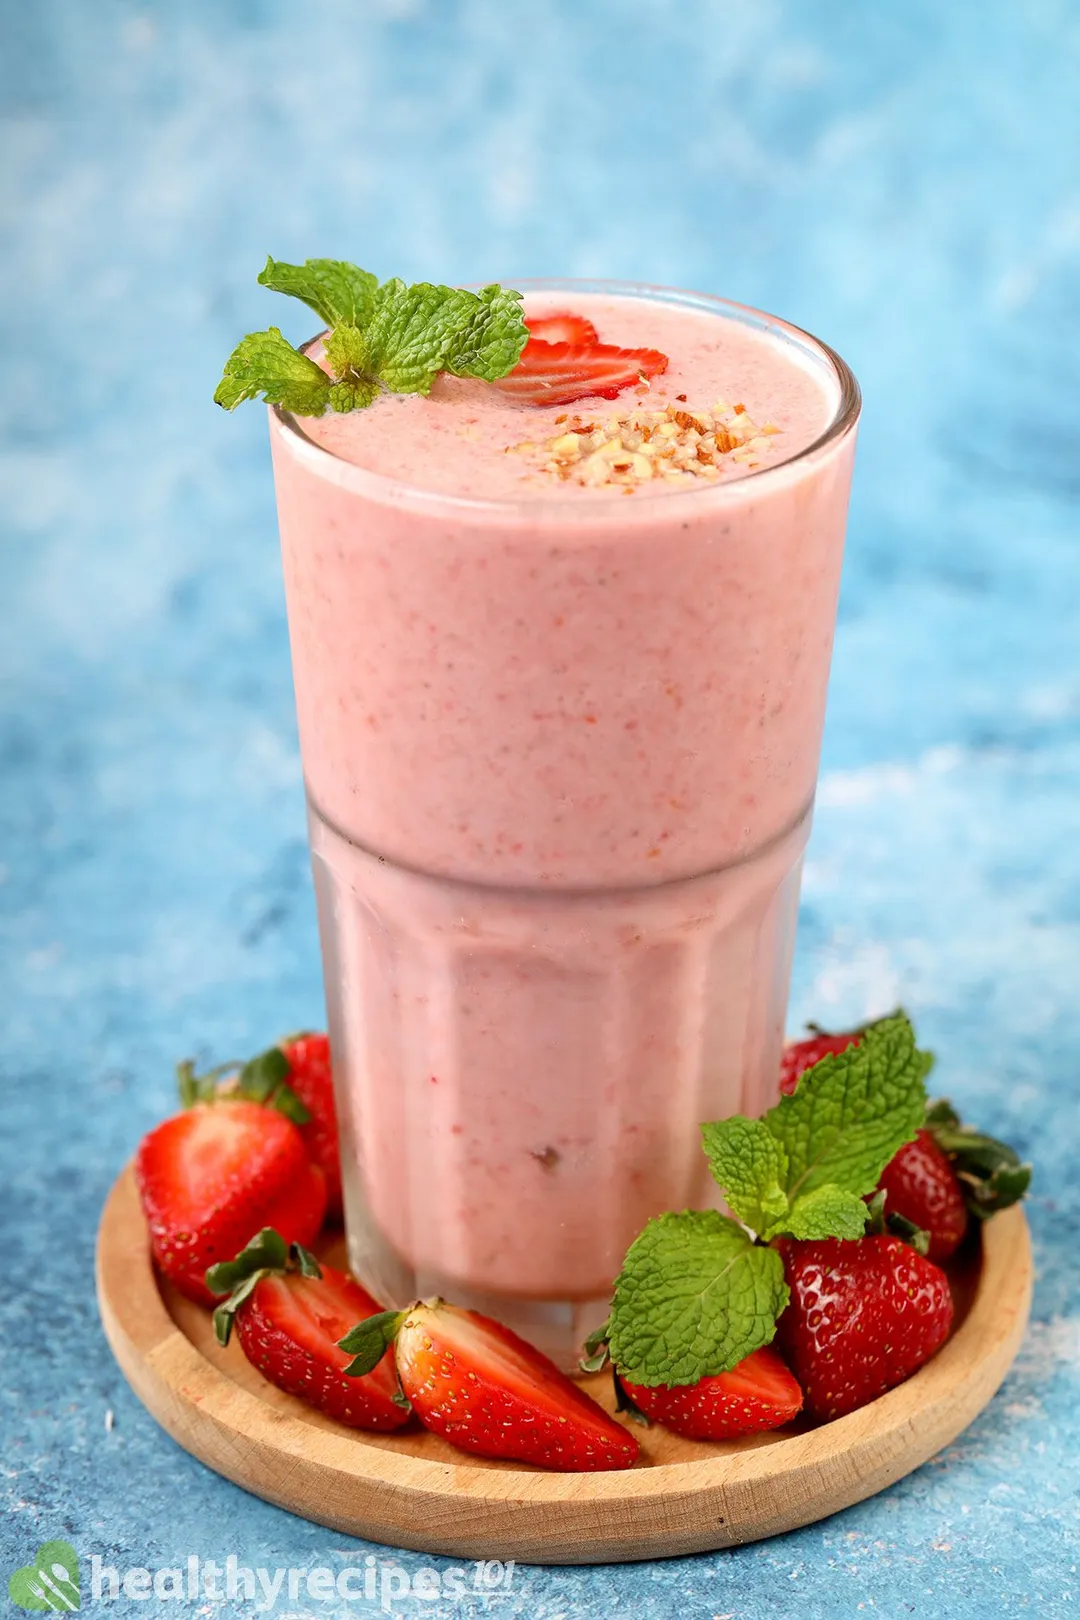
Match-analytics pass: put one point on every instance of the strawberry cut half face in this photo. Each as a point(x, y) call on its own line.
point(559, 373)
point(289, 1330)
point(211, 1176)
point(482, 1388)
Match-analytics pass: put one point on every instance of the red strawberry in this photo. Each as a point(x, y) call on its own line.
point(557, 373)
point(564, 327)
point(863, 1316)
point(759, 1393)
point(482, 1388)
point(211, 1176)
point(802, 1055)
point(920, 1184)
point(311, 1078)
point(290, 1311)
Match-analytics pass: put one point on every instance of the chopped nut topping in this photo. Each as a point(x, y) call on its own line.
point(673, 445)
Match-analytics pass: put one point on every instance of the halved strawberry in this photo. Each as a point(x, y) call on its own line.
point(482, 1388)
point(563, 327)
point(212, 1175)
point(557, 373)
point(290, 1311)
point(759, 1393)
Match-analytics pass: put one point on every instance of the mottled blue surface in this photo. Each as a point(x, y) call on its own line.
point(901, 179)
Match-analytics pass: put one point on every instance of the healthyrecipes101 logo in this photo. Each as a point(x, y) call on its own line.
point(52, 1581)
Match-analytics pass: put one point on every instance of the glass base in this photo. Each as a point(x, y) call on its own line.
point(521, 1074)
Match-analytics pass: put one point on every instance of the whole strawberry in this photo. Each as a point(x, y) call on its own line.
point(290, 1311)
point(799, 1056)
point(215, 1173)
point(758, 1393)
point(863, 1316)
point(920, 1184)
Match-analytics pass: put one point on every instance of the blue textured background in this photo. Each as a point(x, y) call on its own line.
point(901, 178)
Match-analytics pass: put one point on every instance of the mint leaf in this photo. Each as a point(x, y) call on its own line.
point(490, 341)
point(826, 1212)
point(391, 337)
point(751, 1166)
point(336, 290)
point(695, 1295)
point(264, 363)
point(349, 354)
point(852, 1111)
point(418, 331)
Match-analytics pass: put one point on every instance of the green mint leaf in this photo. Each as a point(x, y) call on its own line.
point(392, 337)
point(349, 354)
point(751, 1166)
point(490, 342)
point(416, 332)
point(852, 1111)
point(264, 363)
point(336, 290)
point(369, 1341)
point(826, 1212)
point(695, 1295)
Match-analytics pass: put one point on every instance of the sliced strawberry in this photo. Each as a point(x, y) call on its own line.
point(563, 327)
point(863, 1316)
point(311, 1078)
point(802, 1055)
point(211, 1176)
point(557, 373)
point(290, 1311)
point(482, 1388)
point(759, 1393)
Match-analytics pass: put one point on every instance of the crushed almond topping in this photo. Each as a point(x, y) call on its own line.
point(642, 445)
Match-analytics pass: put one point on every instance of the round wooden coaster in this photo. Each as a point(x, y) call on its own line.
point(413, 1490)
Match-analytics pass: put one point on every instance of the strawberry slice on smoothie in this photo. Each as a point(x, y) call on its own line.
point(559, 372)
point(562, 327)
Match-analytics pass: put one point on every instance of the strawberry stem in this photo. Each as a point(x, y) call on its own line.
point(267, 1255)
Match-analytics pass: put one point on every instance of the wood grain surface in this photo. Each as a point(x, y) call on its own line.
point(413, 1490)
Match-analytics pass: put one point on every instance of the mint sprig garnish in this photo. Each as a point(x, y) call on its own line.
point(385, 337)
point(699, 1291)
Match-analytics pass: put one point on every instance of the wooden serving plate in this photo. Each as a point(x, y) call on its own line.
point(413, 1490)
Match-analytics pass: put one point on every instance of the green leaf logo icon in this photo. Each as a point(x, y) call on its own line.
point(50, 1582)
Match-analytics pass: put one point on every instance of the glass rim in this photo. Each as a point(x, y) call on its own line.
point(382, 488)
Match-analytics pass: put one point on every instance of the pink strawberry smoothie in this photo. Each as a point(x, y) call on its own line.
point(560, 742)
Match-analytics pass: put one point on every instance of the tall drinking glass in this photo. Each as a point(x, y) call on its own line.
point(560, 758)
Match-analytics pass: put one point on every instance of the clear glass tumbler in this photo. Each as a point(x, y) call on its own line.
point(560, 760)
